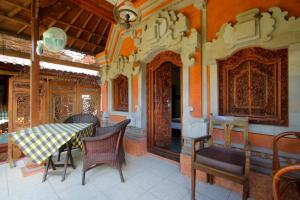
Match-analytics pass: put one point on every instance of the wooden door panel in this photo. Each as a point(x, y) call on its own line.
point(162, 105)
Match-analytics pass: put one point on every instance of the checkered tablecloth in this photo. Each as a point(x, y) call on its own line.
point(3, 116)
point(40, 142)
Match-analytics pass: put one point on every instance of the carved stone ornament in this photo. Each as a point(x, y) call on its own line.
point(165, 30)
point(269, 29)
point(162, 31)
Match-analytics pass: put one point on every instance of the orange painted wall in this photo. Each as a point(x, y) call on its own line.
point(222, 11)
point(194, 16)
point(104, 94)
point(127, 47)
point(195, 87)
point(260, 140)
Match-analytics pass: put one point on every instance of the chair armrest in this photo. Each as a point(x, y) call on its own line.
point(277, 176)
point(248, 156)
point(201, 139)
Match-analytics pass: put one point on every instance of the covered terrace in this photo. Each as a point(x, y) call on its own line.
point(149, 99)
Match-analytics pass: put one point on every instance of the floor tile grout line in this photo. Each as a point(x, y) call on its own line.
point(56, 193)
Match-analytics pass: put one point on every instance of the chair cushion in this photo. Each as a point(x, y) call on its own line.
point(228, 160)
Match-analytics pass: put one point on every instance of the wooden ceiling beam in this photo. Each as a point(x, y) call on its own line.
point(56, 20)
point(59, 17)
point(85, 24)
point(22, 29)
point(43, 28)
point(80, 31)
point(14, 53)
point(94, 28)
point(73, 20)
point(18, 8)
point(103, 33)
point(100, 8)
point(93, 32)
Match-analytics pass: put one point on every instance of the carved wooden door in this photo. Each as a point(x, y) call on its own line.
point(162, 97)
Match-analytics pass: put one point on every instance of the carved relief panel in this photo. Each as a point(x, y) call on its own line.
point(120, 93)
point(63, 101)
point(21, 114)
point(253, 83)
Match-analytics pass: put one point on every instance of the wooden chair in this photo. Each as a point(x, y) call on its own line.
point(105, 148)
point(287, 175)
point(223, 161)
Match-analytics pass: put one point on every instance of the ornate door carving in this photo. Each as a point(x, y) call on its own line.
point(120, 93)
point(162, 99)
point(63, 101)
point(253, 83)
point(159, 108)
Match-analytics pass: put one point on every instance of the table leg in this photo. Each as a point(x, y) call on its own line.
point(47, 168)
point(68, 157)
point(10, 153)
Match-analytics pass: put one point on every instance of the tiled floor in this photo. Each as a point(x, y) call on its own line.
point(146, 178)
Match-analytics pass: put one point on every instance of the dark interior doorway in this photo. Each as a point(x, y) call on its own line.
point(176, 110)
point(3, 91)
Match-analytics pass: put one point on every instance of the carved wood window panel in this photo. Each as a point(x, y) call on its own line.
point(254, 82)
point(120, 93)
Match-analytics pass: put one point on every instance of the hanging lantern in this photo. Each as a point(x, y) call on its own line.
point(126, 14)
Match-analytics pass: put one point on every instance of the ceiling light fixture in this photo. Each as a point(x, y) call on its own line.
point(126, 14)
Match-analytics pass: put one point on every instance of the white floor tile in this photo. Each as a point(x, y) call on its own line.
point(167, 190)
point(125, 191)
point(146, 178)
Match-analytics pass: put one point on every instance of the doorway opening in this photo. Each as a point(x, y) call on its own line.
point(164, 106)
point(3, 116)
point(176, 110)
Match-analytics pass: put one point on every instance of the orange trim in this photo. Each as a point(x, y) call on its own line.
point(104, 94)
point(135, 92)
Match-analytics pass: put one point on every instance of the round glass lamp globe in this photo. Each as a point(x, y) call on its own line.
point(55, 39)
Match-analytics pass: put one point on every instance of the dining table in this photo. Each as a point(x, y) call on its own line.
point(39, 143)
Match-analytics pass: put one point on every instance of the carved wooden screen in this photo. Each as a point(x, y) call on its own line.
point(19, 103)
point(120, 93)
point(63, 101)
point(89, 99)
point(253, 83)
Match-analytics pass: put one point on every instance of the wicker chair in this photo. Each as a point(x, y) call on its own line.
point(105, 148)
point(80, 118)
point(286, 175)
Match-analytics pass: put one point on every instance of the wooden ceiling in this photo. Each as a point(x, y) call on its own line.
point(86, 22)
